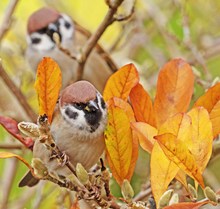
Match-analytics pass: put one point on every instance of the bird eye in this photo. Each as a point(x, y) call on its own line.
point(35, 40)
point(67, 24)
point(79, 106)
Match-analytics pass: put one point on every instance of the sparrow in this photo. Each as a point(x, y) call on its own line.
point(41, 26)
point(77, 127)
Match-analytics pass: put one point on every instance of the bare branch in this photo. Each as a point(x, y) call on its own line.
point(122, 17)
point(92, 41)
point(7, 19)
point(18, 94)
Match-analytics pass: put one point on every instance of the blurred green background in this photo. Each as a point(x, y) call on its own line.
point(158, 31)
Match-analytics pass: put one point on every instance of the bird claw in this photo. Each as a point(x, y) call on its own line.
point(64, 158)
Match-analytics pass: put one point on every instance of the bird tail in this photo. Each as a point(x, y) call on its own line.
point(28, 180)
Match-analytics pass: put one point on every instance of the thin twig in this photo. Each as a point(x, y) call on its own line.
point(18, 94)
point(92, 41)
point(7, 19)
point(8, 176)
point(142, 195)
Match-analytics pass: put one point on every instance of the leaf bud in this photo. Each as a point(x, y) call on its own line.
point(40, 170)
point(165, 198)
point(82, 174)
point(127, 190)
point(174, 199)
point(29, 129)
point(210, 194)
point(192, 192)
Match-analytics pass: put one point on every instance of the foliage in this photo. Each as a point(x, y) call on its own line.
point(178, 129)
point(180, 143)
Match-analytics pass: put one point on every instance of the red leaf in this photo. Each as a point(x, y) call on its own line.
point(11, 126)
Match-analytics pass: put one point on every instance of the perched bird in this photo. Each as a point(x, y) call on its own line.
point(77, 127)
point(41, 26)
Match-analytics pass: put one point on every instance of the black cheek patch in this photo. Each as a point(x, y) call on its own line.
point(71, 114)
point(67, 25)
point(35, 40)
point(103, 103)
point(93, 118)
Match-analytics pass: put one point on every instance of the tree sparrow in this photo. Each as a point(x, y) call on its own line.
point(77, 127)
point(40, 28)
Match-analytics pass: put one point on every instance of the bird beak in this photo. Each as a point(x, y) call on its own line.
point(92, 107)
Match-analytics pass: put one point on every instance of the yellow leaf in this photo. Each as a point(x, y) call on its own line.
point(10, 155)
point(47, 85)
point(174, 90)
point(120, 83)
point(181, 177)
point(162, 173)
point(177, 151)
point(121, 143)
point(145, 134)
point(201, 144)
point(161, 167)
point(142, 105)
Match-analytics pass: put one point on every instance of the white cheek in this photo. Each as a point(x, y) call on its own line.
point(79, 123)
point(66, 33)
point(44, 45)
point(104, 111)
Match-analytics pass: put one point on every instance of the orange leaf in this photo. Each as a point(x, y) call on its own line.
point(201, 145)
point(120, 83)
point(75, 204)
point(177, 151)
point(162, 173)
point(215, 119)
point(210, 100)
point(187, 205)
point(142, 105)
point(174, 90)
point(47, 85)
point(145, 134)
point(121, 143)
point(10, 155)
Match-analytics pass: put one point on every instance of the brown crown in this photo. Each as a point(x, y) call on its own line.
point(41, 18)
point(78, 92)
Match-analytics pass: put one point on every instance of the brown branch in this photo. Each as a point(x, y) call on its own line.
point(92, 41)
point(7, 19)
point(18, 94)
point(10, 146)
